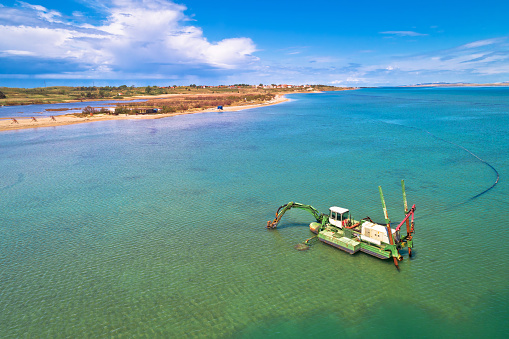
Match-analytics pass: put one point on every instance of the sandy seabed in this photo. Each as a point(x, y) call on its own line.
point(9, 124)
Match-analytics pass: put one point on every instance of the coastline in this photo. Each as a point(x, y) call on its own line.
point(500, 84)
point(8, 124)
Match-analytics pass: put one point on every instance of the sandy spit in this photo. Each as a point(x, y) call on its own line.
point(9, 124)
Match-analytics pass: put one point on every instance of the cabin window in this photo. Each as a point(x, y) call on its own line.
point(344, 216)
point(333, 215)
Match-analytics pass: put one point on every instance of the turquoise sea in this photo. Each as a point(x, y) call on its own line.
point(156, 228)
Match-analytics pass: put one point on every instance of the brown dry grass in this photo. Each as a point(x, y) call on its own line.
point(181, 103)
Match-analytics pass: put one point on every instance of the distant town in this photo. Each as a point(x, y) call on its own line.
point(308, 87)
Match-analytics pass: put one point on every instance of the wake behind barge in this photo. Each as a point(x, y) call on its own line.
point(339, 229)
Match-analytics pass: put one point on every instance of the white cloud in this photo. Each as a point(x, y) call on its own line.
point(153, 33)
point(16, 52)
point(36, 7)
point(323, 59)
point(348, 81)
point(43, 12)
point(44, 42)
point(475, 59)
point(137, 36)
point(481, 43)
point(479, 61)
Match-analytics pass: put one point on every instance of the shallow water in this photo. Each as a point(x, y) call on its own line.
point(157, 227)
point(42, 109)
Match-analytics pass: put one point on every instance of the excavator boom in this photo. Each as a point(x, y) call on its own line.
point(321, 218)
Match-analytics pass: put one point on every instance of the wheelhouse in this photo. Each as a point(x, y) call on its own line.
point(337, 215)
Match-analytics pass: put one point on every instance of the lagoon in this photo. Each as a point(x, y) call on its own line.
point(27, 111)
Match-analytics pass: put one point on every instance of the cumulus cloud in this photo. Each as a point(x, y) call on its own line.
point(136, 36)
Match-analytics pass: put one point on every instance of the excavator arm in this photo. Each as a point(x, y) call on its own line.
point(321, 218)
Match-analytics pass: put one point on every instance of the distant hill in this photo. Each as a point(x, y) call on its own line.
point(460, 84)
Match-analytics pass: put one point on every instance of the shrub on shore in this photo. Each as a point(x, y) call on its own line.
point(121, 110)
point(86, 112)
point(184, 103)
point(168, 109)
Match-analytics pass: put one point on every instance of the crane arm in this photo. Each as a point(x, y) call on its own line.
point(321, 218)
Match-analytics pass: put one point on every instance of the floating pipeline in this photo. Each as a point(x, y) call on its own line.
point(478, 158)
point(497, 175)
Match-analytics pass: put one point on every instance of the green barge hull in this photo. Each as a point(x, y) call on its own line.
point(352, 246)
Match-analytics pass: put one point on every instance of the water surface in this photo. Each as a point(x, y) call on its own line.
point(65, 108)
point(157, 227)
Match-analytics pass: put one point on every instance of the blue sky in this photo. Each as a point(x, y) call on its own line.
point(343, 43)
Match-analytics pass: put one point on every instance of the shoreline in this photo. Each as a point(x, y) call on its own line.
point(501, 84)
point(8, 124)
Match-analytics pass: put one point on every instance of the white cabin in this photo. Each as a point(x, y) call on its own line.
point(337, 215)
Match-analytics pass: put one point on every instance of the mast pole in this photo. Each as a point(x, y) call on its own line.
point(388, 222)
point(408, 230)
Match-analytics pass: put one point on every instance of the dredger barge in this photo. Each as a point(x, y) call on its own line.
point(339, 229)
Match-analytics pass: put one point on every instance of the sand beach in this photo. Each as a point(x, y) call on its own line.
point(9, 124)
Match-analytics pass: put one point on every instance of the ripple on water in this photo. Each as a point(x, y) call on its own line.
point(163, 233)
